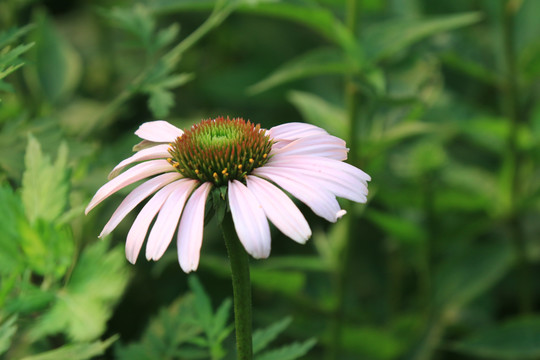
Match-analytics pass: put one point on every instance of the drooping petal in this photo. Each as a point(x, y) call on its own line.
point(135, 197)
point(155, 152)
point(190, 230)
point(294, 130)
point(163, 230)
point(132, 175)
point(137, 233)
point(158, 131)
point(326, 146)
point(280, 209)
point(320, 200)
point(249, 220)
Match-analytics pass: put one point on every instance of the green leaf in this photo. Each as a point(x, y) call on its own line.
point(284, 282)
point(372, 342)
point(288, 352)
point(399, 228)
point(203, 304)
point(515, 339)
point(173, 327)
point(316, 62)
point(263, 337)
point(75, 351)
point(160, 102)
point(7, 330)
point(462, 278)
point(387, 38)
point(58, 67)
point(83, 307)
point(12, 34)
point(48, 249)
point(44, 185)
point(136, 20)
point(318, 111)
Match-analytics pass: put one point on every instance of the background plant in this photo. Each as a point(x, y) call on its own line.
point(438, 102)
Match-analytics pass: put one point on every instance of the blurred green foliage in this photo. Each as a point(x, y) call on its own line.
point(445, 117)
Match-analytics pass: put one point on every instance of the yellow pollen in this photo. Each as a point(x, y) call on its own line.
point(169, 160)
point(215, 175)
point(251, 161)
point(196, 171)
point(264, 156)
point(176, 165)
point(240, 167)
point(224, 171)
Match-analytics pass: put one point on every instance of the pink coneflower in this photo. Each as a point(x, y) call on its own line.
point(254, 166)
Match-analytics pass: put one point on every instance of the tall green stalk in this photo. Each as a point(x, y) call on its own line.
point(514, 156)
point(241, 289)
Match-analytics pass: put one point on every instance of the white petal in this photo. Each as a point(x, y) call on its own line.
point(280, 209)
point(132, 175)
point(155, 152)
point(326, 146)
point(158, 131)
point(320, 200)
point(249, 220)
point(294, 130)
point(138, 230)
point(190, 230)
point(163, 230)
point(135, 197)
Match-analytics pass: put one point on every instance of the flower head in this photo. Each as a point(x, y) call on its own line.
point(254, 165)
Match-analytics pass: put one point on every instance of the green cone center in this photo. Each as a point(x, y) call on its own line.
point(220, 150)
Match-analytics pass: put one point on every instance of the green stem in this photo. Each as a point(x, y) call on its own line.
point(221, 11)
point(241, 289)
point(511, 100)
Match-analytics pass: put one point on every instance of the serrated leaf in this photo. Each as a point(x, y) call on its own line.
point(515, 339)
point(83, 307)
point(48, 249)
point(387, 38)
point(203, 304)
point(173, 327)
point(7, 330)
point(263, 337)
point(75, 351)
point(44, 185)
point(316, 62)
point(318, 111)
point(136, 20)
point(166, 36)
point(288, 352)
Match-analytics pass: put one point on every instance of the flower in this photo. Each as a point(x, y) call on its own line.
point(256, 167)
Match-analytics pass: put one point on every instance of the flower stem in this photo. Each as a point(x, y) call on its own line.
point(241, 289)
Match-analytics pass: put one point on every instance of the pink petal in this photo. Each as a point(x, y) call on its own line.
point(320, 200)
point(140, 226)
point(326, 146)
point(190, 230)
point(135, 197)
point(155, 152)
point(163, 230)
point(280, 209)
point(132, 175)
point(338, 177)
point(294, 130)
point(158, 131)
point(249, 220)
